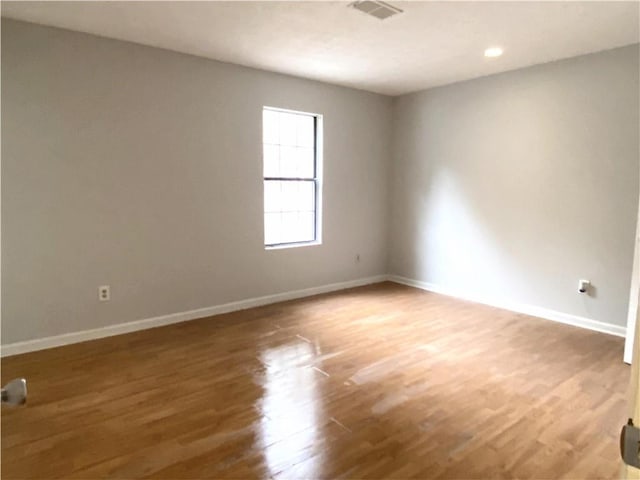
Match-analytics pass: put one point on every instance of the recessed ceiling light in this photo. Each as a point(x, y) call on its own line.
point(493, 52)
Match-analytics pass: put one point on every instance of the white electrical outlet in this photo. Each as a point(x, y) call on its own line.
point(104, 293)
point(583, 286)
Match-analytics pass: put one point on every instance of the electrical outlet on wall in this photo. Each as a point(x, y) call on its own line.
point(583, 286)
point(104, 293)
point(357, 258)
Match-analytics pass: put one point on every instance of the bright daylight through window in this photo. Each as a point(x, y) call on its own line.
point(291, 177)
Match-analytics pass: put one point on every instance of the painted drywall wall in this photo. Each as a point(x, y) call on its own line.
point(511, 188)
point(141, 169)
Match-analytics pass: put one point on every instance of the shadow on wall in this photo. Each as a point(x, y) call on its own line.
point(511, 188)
point(457, 245)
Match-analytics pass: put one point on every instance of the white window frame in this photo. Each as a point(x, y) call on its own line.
point(317, 179)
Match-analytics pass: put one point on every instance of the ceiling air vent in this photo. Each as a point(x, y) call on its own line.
point(376, 9)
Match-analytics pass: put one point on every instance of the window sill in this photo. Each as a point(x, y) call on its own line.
point(292, 245)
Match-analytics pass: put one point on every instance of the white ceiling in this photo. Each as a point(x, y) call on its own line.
point(430, 44)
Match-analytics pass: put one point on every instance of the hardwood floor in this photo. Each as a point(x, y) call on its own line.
point(383, 381)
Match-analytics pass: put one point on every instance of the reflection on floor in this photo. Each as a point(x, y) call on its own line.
point(379, 381)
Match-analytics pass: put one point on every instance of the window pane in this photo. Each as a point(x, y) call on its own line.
point(272, 228)
point(305, 200)
point(289, 153)
point(270, 126)
point(289, 211)
point(271, 161)
point(289, 227)
point(289, 145)
point(288, 162)
point(289, 196)
point(272, 196)
point(297, 196)
point(296, 227)
point(305, 131)
point(289, 192)
point(306, 162)
point(308, 225)
point(288, 128)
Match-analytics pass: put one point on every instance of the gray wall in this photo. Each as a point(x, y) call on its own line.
point(142, 169)
point(513, 187)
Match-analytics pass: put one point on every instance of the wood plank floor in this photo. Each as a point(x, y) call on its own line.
point(383, 381)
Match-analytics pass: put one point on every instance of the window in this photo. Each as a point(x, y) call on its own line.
point(291, 177)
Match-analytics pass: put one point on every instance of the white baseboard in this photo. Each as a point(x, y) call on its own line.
point(532, 310)
point(83, 336)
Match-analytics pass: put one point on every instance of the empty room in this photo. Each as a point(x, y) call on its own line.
point(320, 240)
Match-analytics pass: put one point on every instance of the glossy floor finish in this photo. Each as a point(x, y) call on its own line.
point(383, 381)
